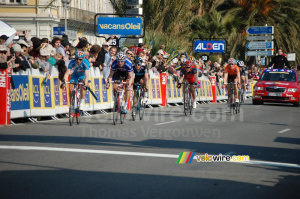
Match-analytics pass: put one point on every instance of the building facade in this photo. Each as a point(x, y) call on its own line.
point(39, 17)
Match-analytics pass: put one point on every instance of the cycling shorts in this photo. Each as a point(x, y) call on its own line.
point(231, 78)
point(76, 78)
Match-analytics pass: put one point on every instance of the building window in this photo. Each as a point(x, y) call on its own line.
point(15, 1)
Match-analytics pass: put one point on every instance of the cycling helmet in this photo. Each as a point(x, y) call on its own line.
point(138, 60)
point(188, 63)
point(231, 60)
point(192, 58)
point(79, 54)
point(240, 64)
point(121, 56)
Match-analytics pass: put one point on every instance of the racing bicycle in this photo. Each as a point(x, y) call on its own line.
point(234, 106)
point(141, 104)
point(187, 99)
point(74, 109)
point(118, 102)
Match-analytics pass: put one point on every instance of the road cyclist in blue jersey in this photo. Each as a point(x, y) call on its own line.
point(79, 70)
point(121, 69)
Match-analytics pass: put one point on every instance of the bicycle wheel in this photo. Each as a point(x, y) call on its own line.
point(232, 105)
point(78, 112)
point(142, 107)
point(115, 110)
point(134, 108)
point(191, 103)
point(71, 108)
point(242, 97)
point(122, 116)
point(185, 101)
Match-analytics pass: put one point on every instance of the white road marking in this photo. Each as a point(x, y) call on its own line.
point(284, 130)
point(34, 148)
point(142, 154)
point(259, 106)
point(165, 123)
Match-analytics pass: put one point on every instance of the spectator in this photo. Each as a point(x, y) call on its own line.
point(140, 49)
point(162, 48)
point(109, 58)
point(101, 55)
point(25, 47)
point(36, 43)
point(130, 55)
point(66, 46)
point(95, 49)
point(21, 61)
point(3, 39)
point(44, 65)
point(3, 57)
point(62, 69)
point(207, 66)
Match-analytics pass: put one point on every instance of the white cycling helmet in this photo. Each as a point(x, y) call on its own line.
point(231, 60)
point(121, 56)
point(240, 64)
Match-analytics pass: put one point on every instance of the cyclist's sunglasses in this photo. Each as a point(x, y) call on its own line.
point(3, 52)
point(121, 61)
point(80, 59)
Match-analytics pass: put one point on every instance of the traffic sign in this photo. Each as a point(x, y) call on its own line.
point(260, 38)
point(58, 30)
point(259, 53)
point(291, 57)
point(258, 30)
point(260, 45)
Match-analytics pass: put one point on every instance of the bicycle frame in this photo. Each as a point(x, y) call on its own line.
point(75, 102)
point(139, 93)
point(119, 95)
point(187, 98)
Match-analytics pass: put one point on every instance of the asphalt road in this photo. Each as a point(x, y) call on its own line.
point(138, 159)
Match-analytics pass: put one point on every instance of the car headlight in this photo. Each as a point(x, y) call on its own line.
point(293, 90)
point(257, 88)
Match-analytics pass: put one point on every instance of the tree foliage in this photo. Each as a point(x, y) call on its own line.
point(177, 23)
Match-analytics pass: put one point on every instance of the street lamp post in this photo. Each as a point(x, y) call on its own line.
point(66, 6)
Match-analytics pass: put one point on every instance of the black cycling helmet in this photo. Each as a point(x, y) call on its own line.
point(138, 60)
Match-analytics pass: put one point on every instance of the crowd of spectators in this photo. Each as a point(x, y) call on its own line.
point(43, 54)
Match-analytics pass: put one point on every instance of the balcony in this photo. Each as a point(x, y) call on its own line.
point(78, 18)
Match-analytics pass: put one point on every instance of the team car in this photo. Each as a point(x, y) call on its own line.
point(277, 85)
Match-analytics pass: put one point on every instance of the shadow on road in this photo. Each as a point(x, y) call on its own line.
point(68, 183)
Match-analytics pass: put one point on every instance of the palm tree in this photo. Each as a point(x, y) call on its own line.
point(277, 13)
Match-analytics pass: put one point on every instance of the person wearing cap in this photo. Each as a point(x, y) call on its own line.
point(3, 57)
point(101, 55)
point(3, 39)
point(44, 65)
point(21, 61)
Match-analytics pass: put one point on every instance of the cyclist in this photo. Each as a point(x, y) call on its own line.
point(189, 74)
point(244, 75)
point(79, 68)
point(232, 74)
point(141, 76)
point(121, 69)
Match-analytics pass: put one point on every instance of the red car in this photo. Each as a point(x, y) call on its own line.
point(277, 85)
